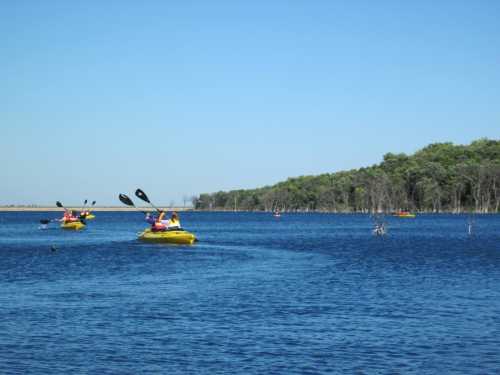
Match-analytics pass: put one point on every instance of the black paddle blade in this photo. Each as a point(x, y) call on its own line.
point(85, 202)
point(125, 200)
point(142, 195)
point(93, 202)
point(59, 204)
point(44, 221)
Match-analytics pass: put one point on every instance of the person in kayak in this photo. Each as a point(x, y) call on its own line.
point(155, 224)
point(68, 217)
point(159, 224)
point(174, 222)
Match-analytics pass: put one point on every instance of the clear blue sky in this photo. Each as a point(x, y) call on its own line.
point(179, 98)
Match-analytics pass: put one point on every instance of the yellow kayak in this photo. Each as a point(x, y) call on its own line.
point(404, 214)
point(74, 225)
point(90, 217)
point(180, 237)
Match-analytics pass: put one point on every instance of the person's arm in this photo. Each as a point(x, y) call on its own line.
point(150, 219)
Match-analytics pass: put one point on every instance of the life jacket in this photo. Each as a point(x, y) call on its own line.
point(68, 218)
point(158, 226)
point(174, 223)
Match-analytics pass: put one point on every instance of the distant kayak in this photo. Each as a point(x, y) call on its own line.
point(404, 214)
point(180, 237)
point(75, 225)
point(89, 217)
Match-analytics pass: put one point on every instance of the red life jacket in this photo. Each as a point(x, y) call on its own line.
point(69, 218)
point(157, 226)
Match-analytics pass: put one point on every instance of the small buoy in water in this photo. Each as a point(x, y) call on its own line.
point(53, 248)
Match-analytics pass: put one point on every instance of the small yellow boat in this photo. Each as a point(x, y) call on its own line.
point(89, 217)
point(73, 225)
point(180, 237)
point(404, 214)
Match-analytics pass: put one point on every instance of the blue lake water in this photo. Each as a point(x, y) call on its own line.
point(302, 294)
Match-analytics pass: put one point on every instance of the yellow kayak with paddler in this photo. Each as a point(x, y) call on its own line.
point(174, 236)
point(74, 225)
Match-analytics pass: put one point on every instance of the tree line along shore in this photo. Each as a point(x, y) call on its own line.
point(442, 177)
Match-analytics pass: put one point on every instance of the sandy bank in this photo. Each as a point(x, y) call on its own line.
point(96, 209)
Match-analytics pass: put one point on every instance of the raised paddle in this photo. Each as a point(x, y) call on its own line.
point(88, 209)
point(142, 195)
point(59, 204)
point(127, 201)
point(83, 207)
point(84, 204)
point(91, 205)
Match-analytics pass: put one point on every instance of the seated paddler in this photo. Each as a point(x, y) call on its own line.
point(160, 224)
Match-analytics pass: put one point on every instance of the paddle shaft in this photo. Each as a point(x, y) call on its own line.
point(84, 204)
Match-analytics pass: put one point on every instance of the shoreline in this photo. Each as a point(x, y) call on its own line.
point(187, 209)
point(93, 209)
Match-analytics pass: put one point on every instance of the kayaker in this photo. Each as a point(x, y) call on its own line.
point(68, 217)
point(174, 222)
point(159, 224)
point(150, 219)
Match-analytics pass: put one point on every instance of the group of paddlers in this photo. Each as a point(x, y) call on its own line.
point(71, 217)
point(158, 224)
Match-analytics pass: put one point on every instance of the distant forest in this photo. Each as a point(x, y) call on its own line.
point(441, 177)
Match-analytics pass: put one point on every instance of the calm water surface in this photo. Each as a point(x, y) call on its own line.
point(302, 294)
